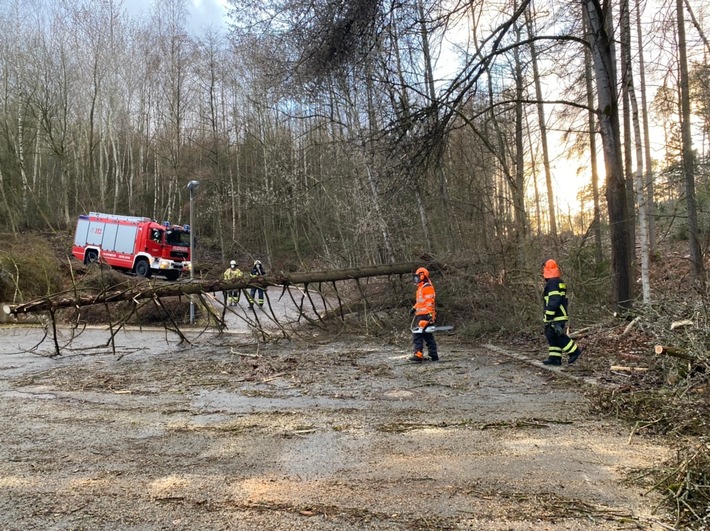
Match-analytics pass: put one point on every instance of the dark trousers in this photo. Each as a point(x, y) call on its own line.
point(260, 296)
point(428, 338)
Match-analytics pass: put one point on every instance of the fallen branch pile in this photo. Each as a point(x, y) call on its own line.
point(121, 299)
point(663, 387)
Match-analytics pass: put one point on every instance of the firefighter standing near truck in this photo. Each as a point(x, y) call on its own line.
point(230, 275)
point(257, 271)
point(556, 317)
point(424, 312)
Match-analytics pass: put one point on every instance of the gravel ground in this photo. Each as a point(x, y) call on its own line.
point(226, 433)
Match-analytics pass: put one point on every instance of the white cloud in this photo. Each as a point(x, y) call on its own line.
point(209, 12)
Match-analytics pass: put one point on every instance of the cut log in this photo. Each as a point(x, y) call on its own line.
point(673, 351)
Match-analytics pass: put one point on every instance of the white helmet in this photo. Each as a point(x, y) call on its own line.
point(257, 262)
point(233, 263)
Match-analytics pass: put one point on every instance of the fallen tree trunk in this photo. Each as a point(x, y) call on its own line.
point(149, 289)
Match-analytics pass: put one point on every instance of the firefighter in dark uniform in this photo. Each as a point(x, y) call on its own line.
point(256, 271)
point(556, 317)
point(424, 312)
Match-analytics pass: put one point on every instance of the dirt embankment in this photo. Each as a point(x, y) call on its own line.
point(226, 434)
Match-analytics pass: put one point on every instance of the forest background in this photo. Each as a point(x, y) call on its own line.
point(333, 134)
point(342, 134)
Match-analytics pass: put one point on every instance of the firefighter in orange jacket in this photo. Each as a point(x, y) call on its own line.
point(556, 317)
point(424, 311)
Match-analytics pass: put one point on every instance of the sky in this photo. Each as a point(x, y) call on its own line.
point(203, 13)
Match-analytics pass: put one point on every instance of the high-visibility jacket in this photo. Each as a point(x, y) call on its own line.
point(233, 274)
point(555, 300)
point(426, 300)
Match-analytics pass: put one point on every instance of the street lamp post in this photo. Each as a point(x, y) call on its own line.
point(192, 186)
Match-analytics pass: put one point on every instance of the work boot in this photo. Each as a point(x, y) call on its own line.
point(553, 360)
point(417, 357)
point(435, 357)
point(573, 357)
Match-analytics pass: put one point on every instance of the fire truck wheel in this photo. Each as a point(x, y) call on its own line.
point(91, 257)
point(142, 268)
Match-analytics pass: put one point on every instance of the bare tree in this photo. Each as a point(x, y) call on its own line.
point(688, 162)
point(638, 176)
point(648, 164)
point(592, 131)
point(543, 127)
point(518, 185)
point(605, 74)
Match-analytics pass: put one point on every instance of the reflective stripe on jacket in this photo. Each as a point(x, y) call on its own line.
point(555, 300)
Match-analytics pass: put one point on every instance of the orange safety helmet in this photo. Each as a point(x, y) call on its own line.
point(421, 274)
point(551, 270)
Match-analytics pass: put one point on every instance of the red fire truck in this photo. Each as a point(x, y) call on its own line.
point(133, 244)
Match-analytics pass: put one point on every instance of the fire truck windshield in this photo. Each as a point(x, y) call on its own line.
point(177, 237)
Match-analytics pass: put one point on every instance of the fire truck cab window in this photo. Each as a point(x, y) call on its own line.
point(156, 235)
point(177, 237)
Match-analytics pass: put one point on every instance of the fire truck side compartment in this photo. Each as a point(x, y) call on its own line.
point(82, 230)
point(125, 239)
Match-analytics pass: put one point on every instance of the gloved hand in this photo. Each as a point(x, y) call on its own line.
point(412, 311)
point(558, 327)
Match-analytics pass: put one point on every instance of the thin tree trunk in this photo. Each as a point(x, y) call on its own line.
point(592, 123)
point(536, 188)
point(688, 163)
point(20, 149)
point(626, 110)
point(605, 74)
point(131, 174)
point(650, 204)
point(10, 212)
point(543, 129)
point(431, 89)
point(519, 188)
point(638, 174)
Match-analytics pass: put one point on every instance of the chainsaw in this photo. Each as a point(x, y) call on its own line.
point(430, 328)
